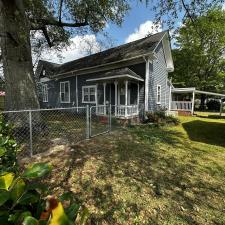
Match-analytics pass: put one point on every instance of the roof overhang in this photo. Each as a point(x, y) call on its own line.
point(107, 66)
point(167, 51)
point(193, 90)
point(128, 76)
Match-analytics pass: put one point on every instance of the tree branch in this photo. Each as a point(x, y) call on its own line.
point(60, 10)
point(37, 24)
point(45, 32)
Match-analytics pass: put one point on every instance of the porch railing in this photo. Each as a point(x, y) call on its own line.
point(126, 111)
point(181, 105)
point(119, 110)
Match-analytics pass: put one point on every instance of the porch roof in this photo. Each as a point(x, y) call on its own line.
point(118, 74)
point(193, 90)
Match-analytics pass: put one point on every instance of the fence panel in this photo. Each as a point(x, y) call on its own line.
point(38, 130)
point(100, 120)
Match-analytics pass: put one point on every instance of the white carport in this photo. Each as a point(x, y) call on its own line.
point(189, 105)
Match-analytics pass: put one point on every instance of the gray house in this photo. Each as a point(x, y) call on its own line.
point(129, 77)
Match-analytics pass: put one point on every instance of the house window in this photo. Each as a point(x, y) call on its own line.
point(89, 94)
point(65, 92)
point(158, 94)
point(45, 92)
point(43, 72)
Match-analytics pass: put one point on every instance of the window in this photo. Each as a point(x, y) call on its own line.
point(158, 94)
point(45, 92)
point(65, 92)
point(89, 94)
point(43, 72)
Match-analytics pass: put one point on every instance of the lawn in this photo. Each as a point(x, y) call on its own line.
point(147, 175)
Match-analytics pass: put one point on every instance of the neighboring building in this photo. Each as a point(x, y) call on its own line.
point(129, 77)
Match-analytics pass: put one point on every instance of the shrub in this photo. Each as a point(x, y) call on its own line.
point(22, 200)
point(213, 105)
point(160, 117)
point(8, 148)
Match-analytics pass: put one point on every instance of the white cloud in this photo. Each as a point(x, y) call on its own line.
point(80, 46)
point(223, 6)
point(143, 30)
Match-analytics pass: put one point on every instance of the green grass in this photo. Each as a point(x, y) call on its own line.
point(148, 175)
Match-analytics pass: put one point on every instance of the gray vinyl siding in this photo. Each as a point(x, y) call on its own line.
point(158, 75)
point(54, 89)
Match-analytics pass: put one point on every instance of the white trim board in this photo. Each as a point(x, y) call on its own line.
point(117, 76)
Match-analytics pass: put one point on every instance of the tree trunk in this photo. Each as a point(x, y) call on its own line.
point(202, 104)
point(17, 61)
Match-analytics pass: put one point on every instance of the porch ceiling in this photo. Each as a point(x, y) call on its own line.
point(124, 73)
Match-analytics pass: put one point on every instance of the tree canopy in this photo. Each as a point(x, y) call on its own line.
point(199, 59)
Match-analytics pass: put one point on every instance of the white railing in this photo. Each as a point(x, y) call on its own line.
point(126, 111)
point(181, 105)
point(119, 110)
point(101, 110)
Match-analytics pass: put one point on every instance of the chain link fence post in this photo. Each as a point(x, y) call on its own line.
point(31, 133)
point(88, 122)
point(110, 117)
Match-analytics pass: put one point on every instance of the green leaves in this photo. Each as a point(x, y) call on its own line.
point(37, 170)
point(30, 221)
point(6, 180)
point(4, 196)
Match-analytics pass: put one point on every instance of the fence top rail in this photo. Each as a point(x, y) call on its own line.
point(182, 101)
point(38, 110)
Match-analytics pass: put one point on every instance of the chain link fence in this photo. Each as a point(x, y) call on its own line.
point(36, 131)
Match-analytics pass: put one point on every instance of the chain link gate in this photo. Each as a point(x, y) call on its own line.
point(100, 120)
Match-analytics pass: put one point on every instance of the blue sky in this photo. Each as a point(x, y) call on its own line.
point(138, 15)
point(137, 24)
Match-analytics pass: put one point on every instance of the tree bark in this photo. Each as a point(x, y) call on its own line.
point(16, 53)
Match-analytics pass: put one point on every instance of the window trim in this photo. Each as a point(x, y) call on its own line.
point(60, 93)
point(89, 86)
point(159, 93)
point(44, 91)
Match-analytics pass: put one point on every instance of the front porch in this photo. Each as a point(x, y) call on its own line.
point(121, 91)
point(183, 99)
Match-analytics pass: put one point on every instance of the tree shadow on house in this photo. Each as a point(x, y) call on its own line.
point(212, 133)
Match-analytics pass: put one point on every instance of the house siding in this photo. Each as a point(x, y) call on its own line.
point(158, 75)
point(54, 91)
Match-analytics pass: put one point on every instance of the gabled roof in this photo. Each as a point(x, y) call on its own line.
point(119, 73)
point(132, 50)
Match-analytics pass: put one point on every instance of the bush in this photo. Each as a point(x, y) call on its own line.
point(22, 200)
point(213, 105)
point(23, 196)
point(8, 148)
point(160, 117)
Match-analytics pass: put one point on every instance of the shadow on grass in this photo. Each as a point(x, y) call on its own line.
point(133, 173)
point(212, 133)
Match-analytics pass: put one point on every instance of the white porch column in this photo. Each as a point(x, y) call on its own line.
point(147, 74)
point(116, 98)
point(126, 95)
point(104, 86)
point(193, 103)
point(96, 98)
point(138, 96)
point(221, 106)
point(170, 98)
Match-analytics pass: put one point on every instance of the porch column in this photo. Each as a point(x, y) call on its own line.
point(96, 98)
point(193, 103)
point(138, 96)
point(170, 98)
point(126, 94)
point(104, 103)
point(221, 106)
point(116, 87)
